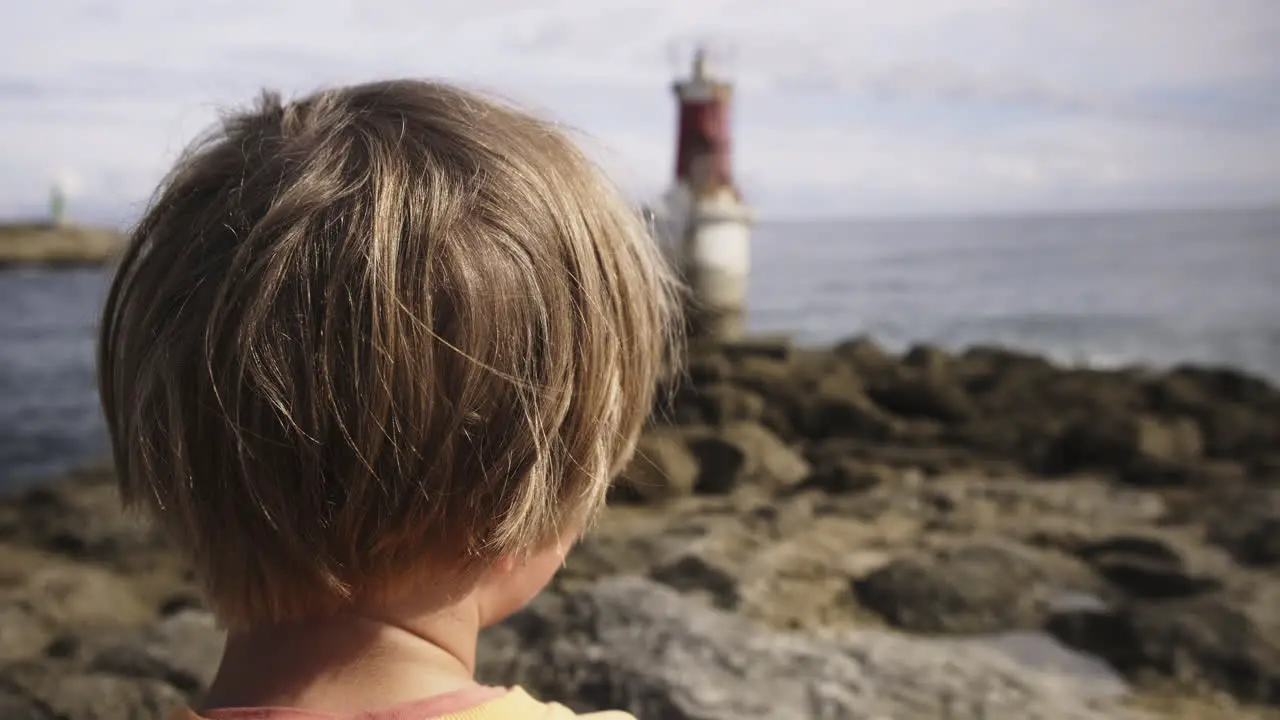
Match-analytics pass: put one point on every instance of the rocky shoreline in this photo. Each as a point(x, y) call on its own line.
point(60, 245)
point(840, 533)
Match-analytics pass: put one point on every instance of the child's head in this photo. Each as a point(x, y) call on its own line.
point(384, 330)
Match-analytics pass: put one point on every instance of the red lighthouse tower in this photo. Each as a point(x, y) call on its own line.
point(703, 145)
point(706, 218)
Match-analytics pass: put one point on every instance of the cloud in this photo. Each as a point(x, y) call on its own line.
point(844, 106)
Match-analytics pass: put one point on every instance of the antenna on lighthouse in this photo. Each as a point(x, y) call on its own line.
point(718, 56)
point(700, 63)
point(686, 54)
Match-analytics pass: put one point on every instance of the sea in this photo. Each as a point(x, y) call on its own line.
point(1154, 288)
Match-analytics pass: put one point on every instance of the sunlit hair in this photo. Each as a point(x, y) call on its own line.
point(380, 324)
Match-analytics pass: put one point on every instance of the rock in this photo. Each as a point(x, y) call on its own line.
point(1089, 392)
point(1237, 413)
point(848, 412)
point(851, 475)
point(1175, 440)
point(766, 376)
point(746, 453)
point(722, 404)
point(23, 634)
point(723, 465)
point(1176, 394)
point(186, 599)
point(986, 369)
point(662, 468)
point(788, 513)
point(81, 518)
point(1054, 421)
point(974, 588)
point(16, 706)
point(778, 465)
point(75, 597)
point(61, 695)
point(928, 359)
point(928, 396)
point(1200, 473)
point(1230, 641)
point(1145, 567)
point(1235, 431)
point(1032, 387)
point(708, 369)
point(1016, 438)
point(600, 554)
point(865, 356)
point(775, 382)
point(1229, 385)
point(929, 459)
point(1122, 442)
point(827, 377)
point(778, 421)
point(1266, 469)
point(183, 650)
point(697, 573)
point(1247, 525)
point(681, 407)
point(772, 347)
point(631, 644)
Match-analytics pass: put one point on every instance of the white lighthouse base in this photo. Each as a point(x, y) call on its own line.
point(717, 263)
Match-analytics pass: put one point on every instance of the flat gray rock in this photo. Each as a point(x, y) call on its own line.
point(183, 650)
point(634, 644)
point(41, 692)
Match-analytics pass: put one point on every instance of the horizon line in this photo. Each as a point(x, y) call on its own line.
point(1026, 213)
point(1043, 213)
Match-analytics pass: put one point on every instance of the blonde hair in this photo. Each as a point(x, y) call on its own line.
point(380, 323)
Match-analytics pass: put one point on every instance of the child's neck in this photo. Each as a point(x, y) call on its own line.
point(349, 663)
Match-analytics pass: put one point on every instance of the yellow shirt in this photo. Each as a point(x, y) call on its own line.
point(518, 705)
point(514, 704)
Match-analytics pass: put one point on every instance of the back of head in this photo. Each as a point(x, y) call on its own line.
point(380, 324)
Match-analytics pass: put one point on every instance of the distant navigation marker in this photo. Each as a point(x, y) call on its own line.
point(57, 205)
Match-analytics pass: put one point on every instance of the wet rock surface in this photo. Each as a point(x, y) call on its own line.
point(1225, 640)
point(182, 650)
point(973, 588)
point(1247, 525)
point(628, 642)
point(817, 534)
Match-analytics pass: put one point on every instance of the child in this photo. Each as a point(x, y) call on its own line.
point(371, 359)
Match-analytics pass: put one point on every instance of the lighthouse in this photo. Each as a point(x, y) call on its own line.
point(707, 222)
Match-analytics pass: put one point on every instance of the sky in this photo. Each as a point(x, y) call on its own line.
point(842, 107)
